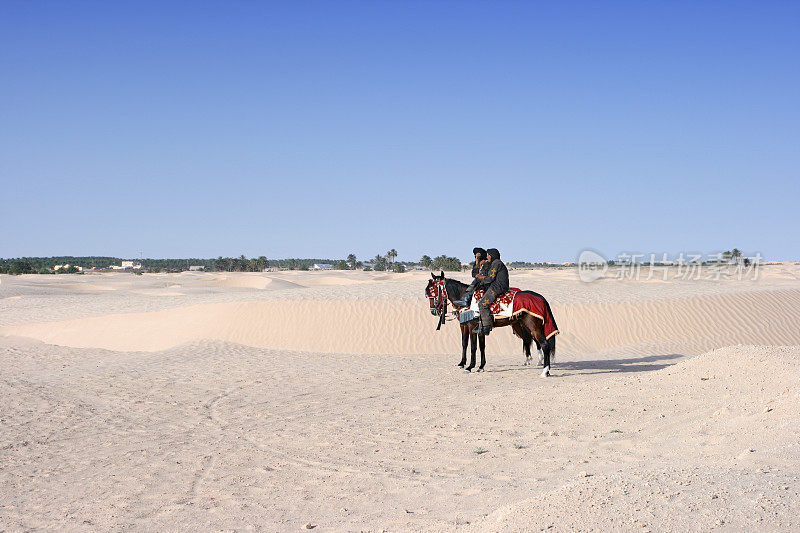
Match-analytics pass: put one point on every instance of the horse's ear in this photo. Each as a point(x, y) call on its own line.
point(442, 274)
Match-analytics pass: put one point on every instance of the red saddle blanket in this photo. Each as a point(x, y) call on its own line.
point(516, 301)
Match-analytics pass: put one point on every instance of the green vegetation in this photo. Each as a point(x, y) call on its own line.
point(227, 264)
point(18, 266)
point(452, 264)
point(734, 254)
point(379, 263)
point(32, 265)
point(388, 262)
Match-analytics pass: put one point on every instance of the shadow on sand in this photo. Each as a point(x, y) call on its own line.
point(646, 363)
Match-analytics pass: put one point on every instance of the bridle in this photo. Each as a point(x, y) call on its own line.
point(437, 298)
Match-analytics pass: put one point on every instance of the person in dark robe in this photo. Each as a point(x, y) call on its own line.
point(495, 283)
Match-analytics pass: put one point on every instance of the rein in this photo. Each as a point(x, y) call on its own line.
point(443, 311)
point(441, 306)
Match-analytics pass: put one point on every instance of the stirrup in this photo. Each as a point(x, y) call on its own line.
point(463, 302)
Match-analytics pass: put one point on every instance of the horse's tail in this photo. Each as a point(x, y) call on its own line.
point(551, 342)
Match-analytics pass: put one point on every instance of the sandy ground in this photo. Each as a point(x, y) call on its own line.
point(211, 401)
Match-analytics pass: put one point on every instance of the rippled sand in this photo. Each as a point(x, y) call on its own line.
point(270, 401)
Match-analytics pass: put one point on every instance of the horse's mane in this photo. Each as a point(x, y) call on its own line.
point(450, 284)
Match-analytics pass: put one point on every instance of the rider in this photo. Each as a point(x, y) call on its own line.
point(480, 268)
point(496, 283)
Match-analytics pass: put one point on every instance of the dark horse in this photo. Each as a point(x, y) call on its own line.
point(529, 328)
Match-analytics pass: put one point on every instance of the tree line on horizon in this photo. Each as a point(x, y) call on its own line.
point(381, 262)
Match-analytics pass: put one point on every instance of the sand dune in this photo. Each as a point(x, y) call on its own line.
point(331, 280)
point(272, 401)
point(687, 325)
point(158, 292)
point(85, 287)
point(253, 281)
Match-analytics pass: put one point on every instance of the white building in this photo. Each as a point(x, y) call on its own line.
point(321, 266)
point(127, 265)
point(195, 268)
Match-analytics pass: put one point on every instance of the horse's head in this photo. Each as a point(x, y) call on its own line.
point(436, 294)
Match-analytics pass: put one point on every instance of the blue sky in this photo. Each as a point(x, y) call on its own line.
point(316, 129)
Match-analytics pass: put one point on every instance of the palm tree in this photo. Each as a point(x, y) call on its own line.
point(736, 253)
point(391, 254)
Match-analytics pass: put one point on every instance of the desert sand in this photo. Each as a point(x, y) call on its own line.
point(280, 401)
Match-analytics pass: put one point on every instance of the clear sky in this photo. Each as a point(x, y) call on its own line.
point(316, 129)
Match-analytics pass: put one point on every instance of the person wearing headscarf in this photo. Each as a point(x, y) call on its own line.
point(480, 268)
point(496, 283)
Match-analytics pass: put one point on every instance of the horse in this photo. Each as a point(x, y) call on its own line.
point(527, 326)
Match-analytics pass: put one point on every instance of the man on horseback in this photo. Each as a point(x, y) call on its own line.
point(480, 268)
point(496, 283)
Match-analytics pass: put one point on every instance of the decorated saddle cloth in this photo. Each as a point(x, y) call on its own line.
point(514, 302)
point(502, 307)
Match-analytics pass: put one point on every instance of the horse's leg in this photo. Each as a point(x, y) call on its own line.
point(473, 347)
point(541, 355)
point(464, 342)
point(482, 340)
point(546, 348)
point(470, 326)
point(522, 333)
point(535, 328)
point(526, 346)
point(530, 325)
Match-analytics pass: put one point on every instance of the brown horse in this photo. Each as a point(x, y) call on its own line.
point(526, 326)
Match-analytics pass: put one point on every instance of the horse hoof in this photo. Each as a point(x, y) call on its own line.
point(546, 372)
point(467, 370)
point(460, 365)
point(480, 370)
